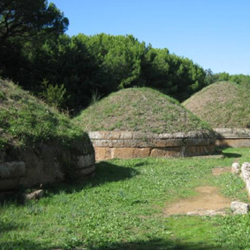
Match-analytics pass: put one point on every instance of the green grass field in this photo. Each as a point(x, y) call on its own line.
point(122, 208)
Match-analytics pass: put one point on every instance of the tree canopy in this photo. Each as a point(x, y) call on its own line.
point(35, 52)
point(26, 18)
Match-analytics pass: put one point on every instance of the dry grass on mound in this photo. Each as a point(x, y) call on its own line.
point(222, 105)
point(139, 109)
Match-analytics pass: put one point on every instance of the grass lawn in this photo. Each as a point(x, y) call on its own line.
point(122, 208)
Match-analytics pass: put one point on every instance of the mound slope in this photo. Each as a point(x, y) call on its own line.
point(139, 109)
point(37, 143)
point(222, 105)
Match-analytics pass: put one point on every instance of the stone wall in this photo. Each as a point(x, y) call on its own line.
point(45, 164)
point(232, 137)
point(125, 144)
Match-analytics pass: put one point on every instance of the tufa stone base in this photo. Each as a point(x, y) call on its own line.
point(45, 163)
point(125, 145)
point(232, 137)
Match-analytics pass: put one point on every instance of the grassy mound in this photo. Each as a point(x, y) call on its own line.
point(139, 109)
point(25, 120)
point(222, 105)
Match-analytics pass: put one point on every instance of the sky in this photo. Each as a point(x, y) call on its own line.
point(214, 34)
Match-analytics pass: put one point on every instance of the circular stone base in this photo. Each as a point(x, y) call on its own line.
point(232, 137)
point(126, 144)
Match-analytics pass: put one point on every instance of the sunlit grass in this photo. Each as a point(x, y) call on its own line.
point(122, 208)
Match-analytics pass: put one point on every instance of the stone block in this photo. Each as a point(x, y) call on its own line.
point(102, 153)
point(230, 133)
point(127, 153)
point(163, 143)
point(118, 143)
point(198, 150)
point(137, 143)
point(102, 143)
point(104, 135)
point(114, 135)
point(84, 172)
point(125, 144)
point(35, 195)
point(235, 168)
point(9, 184)
point(95, 135)
point(239, 207)
point(141, 135)
point(240, 142)
point(166, 136)
point(126, 135)
point(166, 152)
point(12, 169)
point(199, 141)
point(86, 161)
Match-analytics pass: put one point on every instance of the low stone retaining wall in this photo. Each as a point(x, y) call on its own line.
point(125, 144)
point(45, 164)
point(232, 137)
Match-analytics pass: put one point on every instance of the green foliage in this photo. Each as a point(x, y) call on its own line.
point(54, 95)
point(24, 120)
point(239, 79)
point(122, 208)
point(2, 96)
point(33, 47)
point(105, 64)
point(235, 232)
point(95, 97)
point(176, 76)
point(24, 27)
point(24, 19)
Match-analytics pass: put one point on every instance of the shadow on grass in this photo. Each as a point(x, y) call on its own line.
point(154, 244)
point(10, 226)
point(232, 155)
point(105, 172)
point(160, 244)
point(21, 244)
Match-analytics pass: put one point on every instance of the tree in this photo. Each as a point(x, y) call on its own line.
point(24, 26)
point(25, 19)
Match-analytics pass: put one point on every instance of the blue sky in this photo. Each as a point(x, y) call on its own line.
point(213, 33)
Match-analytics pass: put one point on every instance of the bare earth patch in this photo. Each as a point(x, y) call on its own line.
point(208, 201)
point(219, 171)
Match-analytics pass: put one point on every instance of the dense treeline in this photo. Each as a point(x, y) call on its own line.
point(71, 71)
point(101, 64)
point(239, 79)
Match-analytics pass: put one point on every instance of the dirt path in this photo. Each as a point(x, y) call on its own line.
point(208, 201)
